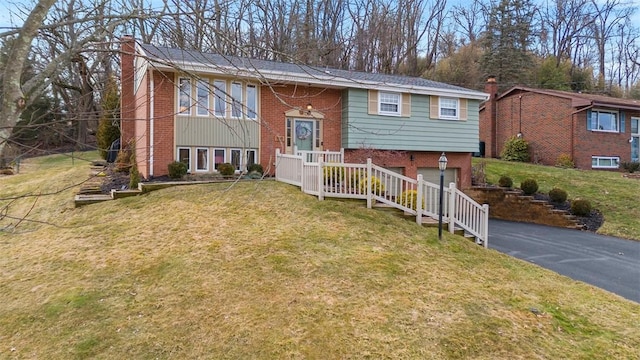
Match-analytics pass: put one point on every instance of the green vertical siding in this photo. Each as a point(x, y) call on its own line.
point(417, 132)
point(215, 132)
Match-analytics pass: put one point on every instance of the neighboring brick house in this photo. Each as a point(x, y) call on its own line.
point(205, 109)
point(596, 132)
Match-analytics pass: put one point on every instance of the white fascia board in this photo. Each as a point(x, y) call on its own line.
point(333, 81)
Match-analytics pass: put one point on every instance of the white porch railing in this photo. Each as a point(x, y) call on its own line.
point(374, 183)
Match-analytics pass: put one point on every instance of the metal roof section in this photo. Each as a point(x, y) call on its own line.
point(269, 72)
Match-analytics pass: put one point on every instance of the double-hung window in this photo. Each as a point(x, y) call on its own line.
point(603, 120)
point(184, 96)
point(605, 162)
point(202, 93)
point(236, 158)
point(389, 103)
point(252, 101)
point(220, 98)
point(219, 157)
point(236, 95)
point(448, 108)
point(184, 156)
point(202, 159)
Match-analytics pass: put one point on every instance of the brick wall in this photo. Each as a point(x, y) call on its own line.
point(164, 111)
point(421, 159)
point(487, 129)
point(544, 121)
point(594, 143)
point(275, 100)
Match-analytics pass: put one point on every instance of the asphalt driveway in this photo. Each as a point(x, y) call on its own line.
point(609, 263)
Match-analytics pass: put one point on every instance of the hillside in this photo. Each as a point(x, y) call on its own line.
point(610, 192)
point(260, 270)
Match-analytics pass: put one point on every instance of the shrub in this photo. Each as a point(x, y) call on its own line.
point(377, 187)
point(581, 207)
point(409, 198)
point(134, 176)
point(478, 176)
point(226, 169)
point(529, 186)
point(564, 161)
point(255, 168)
point(123, 160)
point(631, 166)
point(108, 130)
point(515, 149)
point(505, 181)
point(177, 169)
point(558, 195)
point(333, 174)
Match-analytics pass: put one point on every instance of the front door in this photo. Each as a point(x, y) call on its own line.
point(635, 140)
point(303, 138)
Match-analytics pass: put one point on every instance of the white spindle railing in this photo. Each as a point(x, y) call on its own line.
point(335, 178)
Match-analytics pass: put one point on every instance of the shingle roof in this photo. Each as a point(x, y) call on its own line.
point(314, 74)
point(581, 99)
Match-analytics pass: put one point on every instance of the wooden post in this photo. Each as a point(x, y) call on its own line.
point(368, 180)
point(485, 227)
point(277, 161)
point(419, 201)
point(320, 178)
point(452, 207)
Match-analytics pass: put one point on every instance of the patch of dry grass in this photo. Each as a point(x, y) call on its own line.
point(261, 270)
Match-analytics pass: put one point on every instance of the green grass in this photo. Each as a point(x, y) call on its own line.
point(608, 191)
point(260, 270)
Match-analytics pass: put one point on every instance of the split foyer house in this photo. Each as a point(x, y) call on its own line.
point(596, 132)
point(206, 109)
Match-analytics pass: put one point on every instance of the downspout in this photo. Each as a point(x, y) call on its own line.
point(151, 118)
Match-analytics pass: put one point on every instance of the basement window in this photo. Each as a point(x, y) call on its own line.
point(605, 162)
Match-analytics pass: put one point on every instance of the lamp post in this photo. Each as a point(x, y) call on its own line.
point(442, 164)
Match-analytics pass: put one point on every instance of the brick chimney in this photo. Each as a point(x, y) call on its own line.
point(488, 118)
point(127, 98)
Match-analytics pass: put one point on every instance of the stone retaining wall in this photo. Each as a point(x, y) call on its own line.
point(512, 205)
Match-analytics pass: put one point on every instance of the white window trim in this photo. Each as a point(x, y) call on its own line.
point(598, 158)
point(178, 156)
point(190, 96)
point(241, 159)
point(208, 89)
point(206, 165)
point(398, 104)
point(233, 100)
point(224, 157)
point(223, 98)
point(448, 117)
point(616, 113)
point(255, 111)
point(255, 156)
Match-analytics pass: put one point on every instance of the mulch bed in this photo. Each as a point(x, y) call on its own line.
point(592, 222)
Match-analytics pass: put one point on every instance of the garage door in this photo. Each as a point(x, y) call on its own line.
point(432, 175)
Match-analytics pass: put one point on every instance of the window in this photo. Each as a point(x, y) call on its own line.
point(448, 108)
point(251, 157)
point(317, 133)
point(202, 92)
point(605, 162)
point(184, 155)
point(219, 156)
point(236, 158)
point(602, 120)
point(252, 101)
point(220, 98)
point(389, 104)
point(288, 132)
point(202, 159)
point(236, 95)
point(184, 96)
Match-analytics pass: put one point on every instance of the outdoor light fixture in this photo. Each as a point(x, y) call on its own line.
point(442, 164)
point(309, 107)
